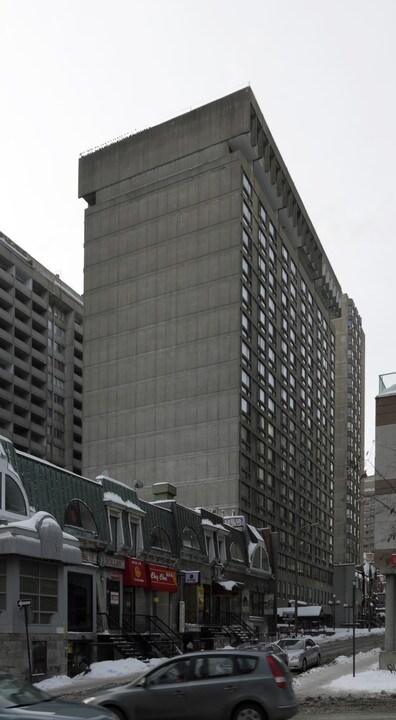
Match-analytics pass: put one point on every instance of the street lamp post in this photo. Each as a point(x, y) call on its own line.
point(353, 624)
point(334, 604)
point(296, 556)
point(347, 607)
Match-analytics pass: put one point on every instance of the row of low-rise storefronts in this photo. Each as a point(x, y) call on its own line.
point(85, 560)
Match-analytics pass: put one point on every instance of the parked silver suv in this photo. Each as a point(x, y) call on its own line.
point(212, 685)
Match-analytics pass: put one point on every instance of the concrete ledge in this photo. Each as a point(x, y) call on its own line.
point(387, 660)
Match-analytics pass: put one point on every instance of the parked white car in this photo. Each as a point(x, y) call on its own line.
point(302, 653)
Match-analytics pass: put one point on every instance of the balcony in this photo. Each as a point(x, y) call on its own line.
point(38, 430)
point(38, 412)
point(37, 448)
point(38, 374)
point(21, 402)
point(6, 280)
point(22, 311)
point(6, 300)
point(23, 328)
point(6, 377)
point(21, 383)
point(39, 303)
point(6, 318)
point(6, 416)
point(39, 319)
point(21, 366)
point(22, 289)
point(5, 395)
point(40, 339)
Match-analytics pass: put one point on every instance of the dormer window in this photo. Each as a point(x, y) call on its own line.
point(159, 540)
point(215, 539)
point(136, 535)
point(236, 552)
point(190, 539)
point(115, 506)
point(13, 497)
point(14, 500)
point(115, 532)
point(260, 560)
point(78, 515)
point(135, 515)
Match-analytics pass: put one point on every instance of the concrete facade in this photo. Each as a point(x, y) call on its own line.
point(385, 499)
point(349, 433)
point(209, 355)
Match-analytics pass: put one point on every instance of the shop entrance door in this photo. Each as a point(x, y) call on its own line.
point(129, 607)
point(113, 604)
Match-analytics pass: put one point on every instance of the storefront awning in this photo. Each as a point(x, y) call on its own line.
point(225, 588)
point(135, 573)
point(303, 611)
point(162, 578)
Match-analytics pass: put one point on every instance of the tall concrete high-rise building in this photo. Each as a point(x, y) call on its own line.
point(41, 346)
point(349, 433)
point(385, 512)
point(209, 344)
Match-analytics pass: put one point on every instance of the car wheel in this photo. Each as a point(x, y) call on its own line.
point(117, 712)
point(304, 665)
point(318, 661)
point(248, 711)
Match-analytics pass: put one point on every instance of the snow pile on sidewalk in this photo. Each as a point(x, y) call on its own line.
point(122, 670)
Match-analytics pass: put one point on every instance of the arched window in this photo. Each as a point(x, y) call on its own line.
point(159, 540)
point(236, 552)
point(78, 515)
point(14, 499)
point(260, 559)
point(190, 539)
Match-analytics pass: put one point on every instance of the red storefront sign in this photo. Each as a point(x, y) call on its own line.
point(135, 573)
point(162, 578)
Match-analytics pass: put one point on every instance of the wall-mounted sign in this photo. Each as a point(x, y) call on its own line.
point(201, 598)
point(135, 573)
point(113, 562)
point(162, 578)
point(114, 598)
point(89, 557)
point(238, 521)
point(191, 577)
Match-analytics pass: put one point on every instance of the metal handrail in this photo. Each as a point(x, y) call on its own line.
point(240, 621)
point(127, 635)
point(171, 635)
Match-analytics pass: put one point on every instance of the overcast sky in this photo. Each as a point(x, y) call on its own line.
point(77, 73)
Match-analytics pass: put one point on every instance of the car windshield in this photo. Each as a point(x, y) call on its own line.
point(291, 644)
point(15, 692)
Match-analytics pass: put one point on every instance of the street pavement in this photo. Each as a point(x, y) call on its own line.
point(310, 685)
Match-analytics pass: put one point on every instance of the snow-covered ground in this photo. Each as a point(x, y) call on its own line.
point(335, 679)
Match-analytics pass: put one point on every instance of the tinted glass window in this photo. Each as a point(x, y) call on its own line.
point(79, 515)
point(172, 673)
point(246, 664)
point(14, 501)
point(17, 692)
point(218, 666)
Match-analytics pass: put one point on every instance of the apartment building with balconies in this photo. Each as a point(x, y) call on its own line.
point(41, 356)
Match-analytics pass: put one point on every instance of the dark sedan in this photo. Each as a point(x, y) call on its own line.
point(212, 685)
point(20, 700)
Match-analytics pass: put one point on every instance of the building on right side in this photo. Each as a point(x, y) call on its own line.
point(385, 513)
point(349, 431)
